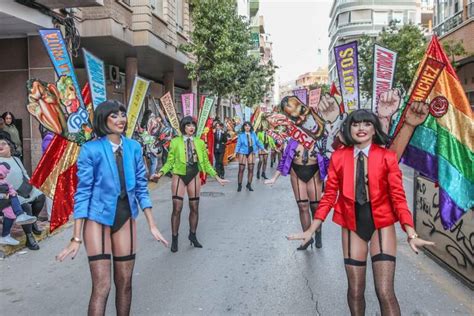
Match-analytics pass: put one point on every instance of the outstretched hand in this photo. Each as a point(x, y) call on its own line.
point(304, 236)
point(270, 181)
point(158, 236)
point(222, 181)
point(418, 242)
point(71, 250)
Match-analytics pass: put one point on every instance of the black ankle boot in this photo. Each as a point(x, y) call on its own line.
point(31, 242)
point(249, 187)
point(258, 174)
point(192, 238)
point(174, 243)
point(36, 229)
point(239, 187)
point(318, 238)
point(264, 176)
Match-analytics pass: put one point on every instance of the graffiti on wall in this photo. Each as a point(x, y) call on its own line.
point(454, 247)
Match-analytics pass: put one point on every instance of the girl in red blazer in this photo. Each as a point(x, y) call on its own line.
point(365, 189)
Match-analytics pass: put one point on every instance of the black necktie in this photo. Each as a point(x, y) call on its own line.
point(189, 151)
point(119, 161)
point(305, 158)
point(249, 140)
point(361, 192)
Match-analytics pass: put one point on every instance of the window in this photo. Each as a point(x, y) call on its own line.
point(398, 16)
point(157, 7)
point(358, 16)
point(380, 18)
point(179, 15)
point(343, 18)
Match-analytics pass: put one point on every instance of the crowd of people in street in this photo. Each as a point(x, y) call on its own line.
point(109, 229)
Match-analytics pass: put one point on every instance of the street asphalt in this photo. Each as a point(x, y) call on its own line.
point(246, 267)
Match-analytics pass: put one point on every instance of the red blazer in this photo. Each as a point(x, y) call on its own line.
point(386, 193)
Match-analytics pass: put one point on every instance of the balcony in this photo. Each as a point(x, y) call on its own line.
point(448, 24)
point(60, 4)
point(254, 5)
point(261, 23)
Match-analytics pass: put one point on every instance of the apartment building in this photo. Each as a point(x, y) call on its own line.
point(454, 22)
point(320, 76)
point(132, 37)
point(350, 19)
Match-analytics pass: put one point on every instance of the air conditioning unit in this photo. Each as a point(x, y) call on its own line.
point(114, 73)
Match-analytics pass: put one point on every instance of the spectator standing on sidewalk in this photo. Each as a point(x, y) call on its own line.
point(11, 129)
point(31, 199)
point(220, 140)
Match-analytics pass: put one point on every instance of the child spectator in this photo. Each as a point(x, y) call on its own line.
point(11, 208)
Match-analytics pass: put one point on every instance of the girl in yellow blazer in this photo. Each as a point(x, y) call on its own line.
point(187, 156)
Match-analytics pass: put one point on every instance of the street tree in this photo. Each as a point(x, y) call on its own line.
point(325, 88)
point(254, 80)
point(454, 49)
point(219, 43)
point(408, 41)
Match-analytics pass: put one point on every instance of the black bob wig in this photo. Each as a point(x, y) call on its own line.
point(186, 121)
point(103, 111)
point(357, 116)
point(243, 126)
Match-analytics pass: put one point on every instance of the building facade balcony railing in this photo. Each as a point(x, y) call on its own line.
point(448, 24)
point(60, 4)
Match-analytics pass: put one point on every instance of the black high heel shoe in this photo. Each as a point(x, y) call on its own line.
point(249, 187)
point(318, 239)
point(239, 187)
point(174, 243)
point(305, 246)
point(194, 242)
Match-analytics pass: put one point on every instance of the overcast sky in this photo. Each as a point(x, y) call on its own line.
point(298, 29)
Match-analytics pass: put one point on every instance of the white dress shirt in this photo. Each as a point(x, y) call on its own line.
point(115, 146)
point(365, 151)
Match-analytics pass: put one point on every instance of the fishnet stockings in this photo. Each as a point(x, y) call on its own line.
point(356, 289)
point(100, 273)
point(241, 173)
point(250, 174)
point(193, 214)
point(176, 215)
point(123, 272)
point(384, 274)
point(305, 218)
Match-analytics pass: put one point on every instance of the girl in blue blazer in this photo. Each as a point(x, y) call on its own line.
point(112, 185)
point(247, 146)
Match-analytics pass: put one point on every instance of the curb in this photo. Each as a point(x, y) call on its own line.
point(6, 250)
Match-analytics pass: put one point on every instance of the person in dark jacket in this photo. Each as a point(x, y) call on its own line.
point(220, 140)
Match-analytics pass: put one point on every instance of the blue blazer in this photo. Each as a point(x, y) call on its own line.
point(98, 186)
point(243, 144)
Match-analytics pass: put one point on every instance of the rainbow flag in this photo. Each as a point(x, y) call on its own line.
point(443, 148)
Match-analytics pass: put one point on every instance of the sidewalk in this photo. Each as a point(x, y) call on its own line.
point(18, 234)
